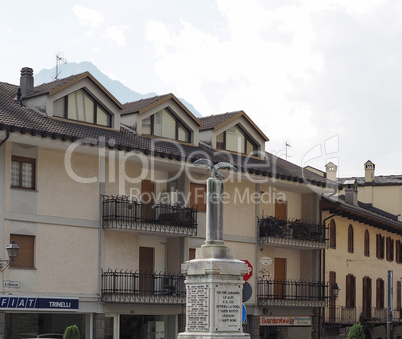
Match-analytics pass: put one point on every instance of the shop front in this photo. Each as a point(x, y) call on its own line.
point(297, 326)
point(36, 317)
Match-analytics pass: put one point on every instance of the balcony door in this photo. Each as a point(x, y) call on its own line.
point(367, 297)
point(280, 277)
point(147, 200)
point(146, 269)
point(332, 301)
point(281, 209)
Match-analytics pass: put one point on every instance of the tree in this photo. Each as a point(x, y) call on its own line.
point(356, 332)
point(72, 332)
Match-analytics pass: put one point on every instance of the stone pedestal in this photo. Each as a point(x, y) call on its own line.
point(214, 285)
point(214, 298)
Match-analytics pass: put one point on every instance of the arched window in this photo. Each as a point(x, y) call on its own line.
point(332, 234)
point(366, 243)
point(350, 239)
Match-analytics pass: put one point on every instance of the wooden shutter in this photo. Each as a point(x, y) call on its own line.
point(198, 196)
point(380, 293)
point(366, 243)
point(350, 290)
point(398, 251)
point(332, 281)
point(281, 210)
point(332, 234)
point(398, 295)
point(350, 239)
point(191, 253)
point(25, 257)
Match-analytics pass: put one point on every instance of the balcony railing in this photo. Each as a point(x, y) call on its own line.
point(291, 293)
point(148, 288)
point(341, 314)
point(291, 232)
point(121, 212)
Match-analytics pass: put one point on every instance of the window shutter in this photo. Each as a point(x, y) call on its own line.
point(198, 196)
point(25, 257)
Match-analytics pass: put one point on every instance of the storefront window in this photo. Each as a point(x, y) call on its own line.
point(147, 326)
point(36, 325)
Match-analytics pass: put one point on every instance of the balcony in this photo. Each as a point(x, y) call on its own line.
point(144, 288)
point(291, 293)
point(121, 212)
point(341, 315)
point(291, 233)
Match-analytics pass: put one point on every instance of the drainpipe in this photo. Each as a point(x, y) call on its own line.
point(6, 137)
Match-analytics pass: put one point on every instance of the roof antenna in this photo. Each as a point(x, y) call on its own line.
point(59, 60)
point(286, 150)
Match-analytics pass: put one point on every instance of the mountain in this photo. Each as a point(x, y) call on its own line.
point(120, 91)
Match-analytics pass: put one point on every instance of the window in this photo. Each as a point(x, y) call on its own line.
point(380, 293)
point(23, 172)
point(350, 239)
point(236, 139)
point(25, 257)
point(350, 290)
point(80, 106)
point(398, 250)
point(380, 246)
point(165, 124)
point(332, 234)
point(366, 243)
point(390, 249)
point(198, 196)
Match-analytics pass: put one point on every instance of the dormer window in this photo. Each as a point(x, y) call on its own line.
point(236, 140)
point(165, 124)
point(80, 106)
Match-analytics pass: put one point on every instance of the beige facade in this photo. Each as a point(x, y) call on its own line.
point(105, 218)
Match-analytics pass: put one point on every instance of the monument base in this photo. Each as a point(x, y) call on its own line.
point(214, 295)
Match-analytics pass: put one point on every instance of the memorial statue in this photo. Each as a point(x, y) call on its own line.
point(214, 169)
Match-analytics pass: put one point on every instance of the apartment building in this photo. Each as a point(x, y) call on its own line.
point(363, 259)
point(105, 204)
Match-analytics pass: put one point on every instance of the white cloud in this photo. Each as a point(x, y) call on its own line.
point(88, 16)
point(117, 34)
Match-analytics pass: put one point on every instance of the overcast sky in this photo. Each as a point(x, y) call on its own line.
point(325, 76)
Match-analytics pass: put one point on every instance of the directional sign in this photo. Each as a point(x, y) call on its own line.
point(247, 292)
point(249, 272)
point(243, 313)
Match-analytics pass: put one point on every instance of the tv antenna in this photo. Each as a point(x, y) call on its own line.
point(286, 149)
point(59, 60)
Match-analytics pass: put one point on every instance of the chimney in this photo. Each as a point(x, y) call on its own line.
point(369, 168)
point(26, 81)
point(351, 191)
point(331, 170)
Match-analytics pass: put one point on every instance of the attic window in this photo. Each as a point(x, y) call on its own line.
point(80, 106)
point(165, 124)
point(235, 139)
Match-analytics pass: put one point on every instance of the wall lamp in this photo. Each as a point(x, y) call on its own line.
point(335, 290)
point(12, 251)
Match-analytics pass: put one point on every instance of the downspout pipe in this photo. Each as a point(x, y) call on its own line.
point(5, 138)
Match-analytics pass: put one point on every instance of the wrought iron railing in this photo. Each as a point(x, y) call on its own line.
point(341, 314)
point(291, 229)
point(156, 288)
point(124, 213)
point(271, 291)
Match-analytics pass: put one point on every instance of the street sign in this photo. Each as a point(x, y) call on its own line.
point(243, 313)
point(247, 292)
point(249, 272)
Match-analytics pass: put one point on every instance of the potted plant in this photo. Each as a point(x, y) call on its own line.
point(356, 332)
point(72, 332)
